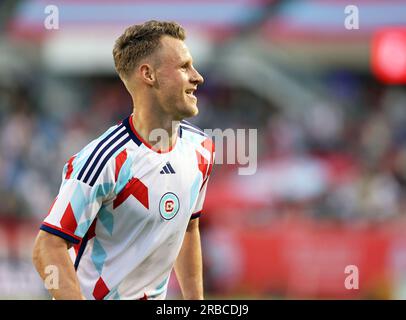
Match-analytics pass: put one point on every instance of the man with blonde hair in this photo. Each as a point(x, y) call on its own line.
point(128, 207)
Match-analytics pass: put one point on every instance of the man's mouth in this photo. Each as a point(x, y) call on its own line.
point(190, 93)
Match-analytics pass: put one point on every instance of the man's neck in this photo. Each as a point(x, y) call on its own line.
point(160, 132)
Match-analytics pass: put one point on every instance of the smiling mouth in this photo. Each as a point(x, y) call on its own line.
point(190, 93)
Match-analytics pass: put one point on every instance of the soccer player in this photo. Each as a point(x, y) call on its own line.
point(128, 206)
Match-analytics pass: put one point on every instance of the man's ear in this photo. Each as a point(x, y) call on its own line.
point(147, 73)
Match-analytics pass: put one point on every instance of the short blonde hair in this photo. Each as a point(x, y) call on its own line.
point(140, 41)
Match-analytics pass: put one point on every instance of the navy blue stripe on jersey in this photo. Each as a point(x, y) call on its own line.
point(170, 167)
point(196, 215)
point(126, 123)
point(96, 149)
point(193, 130)
point(166, 169)
point(104, 150)
point(117, 147)
point(59, 234)
point(81, 250)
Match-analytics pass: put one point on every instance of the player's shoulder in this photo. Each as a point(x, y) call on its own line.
point(195, 135)
point(89, 163)
point(105, 141)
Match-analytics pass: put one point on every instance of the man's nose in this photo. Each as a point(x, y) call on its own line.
point(197, 77)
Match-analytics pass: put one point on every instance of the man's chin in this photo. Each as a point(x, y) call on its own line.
point(195, 111)
point(190, 112)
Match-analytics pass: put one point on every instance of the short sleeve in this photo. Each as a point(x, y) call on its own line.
point(74, 210)
point(200, 201)
point(87, 183)
point(197, 211)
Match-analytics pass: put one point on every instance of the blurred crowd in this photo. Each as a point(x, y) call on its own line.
point(344, 159)
point(36, 142)
point(331, 150)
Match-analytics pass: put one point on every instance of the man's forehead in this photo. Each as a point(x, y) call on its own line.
point(174, 48)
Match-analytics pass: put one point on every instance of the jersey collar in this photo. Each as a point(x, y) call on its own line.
point(128, 123)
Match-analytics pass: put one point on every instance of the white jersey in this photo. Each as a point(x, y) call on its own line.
point(126, 207)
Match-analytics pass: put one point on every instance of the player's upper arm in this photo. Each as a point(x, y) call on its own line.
point(49, 240)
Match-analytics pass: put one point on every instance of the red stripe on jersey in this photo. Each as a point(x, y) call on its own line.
point(202, 164)
point(70, 168)
point(209, 145)
point(91, 233)
point(68, 221)
point(77, 247)
point(135, 188)
point(120, 159)
point(62, 230)
point(100, 290)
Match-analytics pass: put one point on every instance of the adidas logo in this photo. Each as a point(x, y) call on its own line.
point(167, 169)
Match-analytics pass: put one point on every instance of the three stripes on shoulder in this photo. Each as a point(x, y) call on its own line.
point(104, 150)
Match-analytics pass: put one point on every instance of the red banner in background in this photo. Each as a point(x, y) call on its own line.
point(309, 260)
point(388, 56)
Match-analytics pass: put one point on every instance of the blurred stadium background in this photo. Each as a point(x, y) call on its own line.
point(329, 105)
